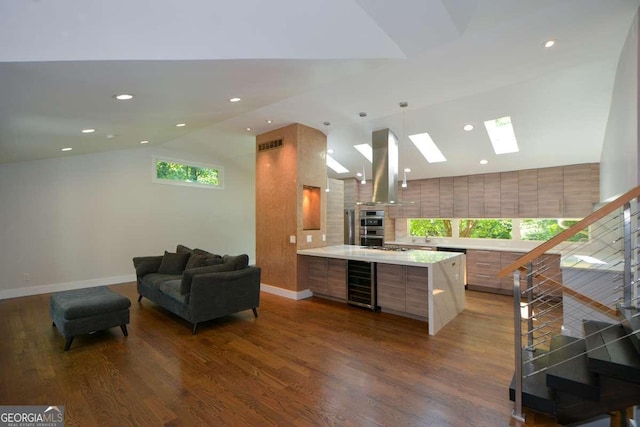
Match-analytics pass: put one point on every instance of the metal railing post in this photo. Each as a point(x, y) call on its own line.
point(627, 298)
point(517, 339)
point(530, 345)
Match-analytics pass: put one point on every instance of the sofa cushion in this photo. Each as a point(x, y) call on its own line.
point(171, 288)
point(173, 263)
point(182, 249)
point(146, 265)
point(196, 261)
point(199, 251)
point(238, 261)
point(188, 275)
point(155, 279)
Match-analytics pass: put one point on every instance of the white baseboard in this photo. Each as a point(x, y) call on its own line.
point(56, 287)
point(285, 292)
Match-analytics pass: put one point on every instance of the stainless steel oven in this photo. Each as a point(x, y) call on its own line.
point(371, 228)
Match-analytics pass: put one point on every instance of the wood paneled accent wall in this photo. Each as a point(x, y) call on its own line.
point(281, 173)
point(335, 212)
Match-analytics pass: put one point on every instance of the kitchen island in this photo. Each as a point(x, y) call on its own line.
point(425, 285)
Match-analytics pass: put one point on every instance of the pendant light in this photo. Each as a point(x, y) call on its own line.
point(362, 115)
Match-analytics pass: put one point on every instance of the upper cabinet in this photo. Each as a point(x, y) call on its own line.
point(556, 192)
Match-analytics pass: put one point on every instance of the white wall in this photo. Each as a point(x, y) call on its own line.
point(619, 161)
point(77, 221)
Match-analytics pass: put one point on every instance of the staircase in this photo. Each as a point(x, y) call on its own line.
point(577, 340)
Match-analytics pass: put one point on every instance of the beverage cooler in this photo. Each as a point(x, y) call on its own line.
point(361, 284)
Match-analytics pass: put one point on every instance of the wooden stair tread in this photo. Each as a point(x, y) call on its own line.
point(611, 352)
point(568, 368)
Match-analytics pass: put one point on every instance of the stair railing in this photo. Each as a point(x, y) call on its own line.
point(546, 305)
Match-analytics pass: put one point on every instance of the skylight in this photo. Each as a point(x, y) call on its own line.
point(502, 136)
point(427, 147)
point(335, 166)
point(365, 150)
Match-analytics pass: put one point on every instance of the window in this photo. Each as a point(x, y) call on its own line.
point(545, 229)
point(179, 172)
point(486, 228)
point(430, 227)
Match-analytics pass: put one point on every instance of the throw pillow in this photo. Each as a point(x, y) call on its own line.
point(196, 261)
point(188, 275)
point(173, 263)
point(198, 251)
point(239, 261)
point(181, 249)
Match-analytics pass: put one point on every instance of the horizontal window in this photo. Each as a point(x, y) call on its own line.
point(545, 228)
point(430, 227)
point(486, 228)
point(172, 171)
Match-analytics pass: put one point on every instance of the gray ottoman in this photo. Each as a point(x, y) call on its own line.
point(82, 311)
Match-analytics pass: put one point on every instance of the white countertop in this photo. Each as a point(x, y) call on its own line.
point(417, 258)
point(499, 246)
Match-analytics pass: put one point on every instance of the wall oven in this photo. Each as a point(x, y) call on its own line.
point(371, 228)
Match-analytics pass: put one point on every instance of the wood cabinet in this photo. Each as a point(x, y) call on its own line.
point(446, 197)
point(577, 190)
point(403, 289)
point(550, 189)
point(483, 267)
point(484, 196)
point(411, 196)
point(430, 198)
point(528, 193)
point(460, 197)
point(325, 276)
point(508, 194)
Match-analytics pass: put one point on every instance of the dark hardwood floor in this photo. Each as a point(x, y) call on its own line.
point(301, 363)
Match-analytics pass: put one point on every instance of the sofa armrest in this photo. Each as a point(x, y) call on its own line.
point(146, 264)
point(224, 293)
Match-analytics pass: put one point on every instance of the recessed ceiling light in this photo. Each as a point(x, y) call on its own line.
point(268, 121)
point(427, 147)
point(111, 136)
point(88, 130)
point(330, 151)
point(407, 170)
point(144, 142)
point(365, 150)
point(123, 97)
point(181, 125)
point(248, 129)
point(67, 149)
point(502, 135)
point(335, 166)
point(484, 161)
point(358, 174)
point(549, 43)
point(468, 127)
point(234, 99)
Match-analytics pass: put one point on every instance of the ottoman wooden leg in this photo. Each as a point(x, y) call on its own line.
point(124, 330)
point(67, 346)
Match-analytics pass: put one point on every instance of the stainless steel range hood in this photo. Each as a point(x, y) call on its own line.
point(385, 169)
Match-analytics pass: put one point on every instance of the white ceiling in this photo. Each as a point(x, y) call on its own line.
point(454, 61)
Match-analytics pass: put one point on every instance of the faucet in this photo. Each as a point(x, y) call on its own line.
point(426, 237)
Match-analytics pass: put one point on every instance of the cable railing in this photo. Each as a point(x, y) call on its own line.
point(597, 278)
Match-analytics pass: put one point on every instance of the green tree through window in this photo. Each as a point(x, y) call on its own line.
point(430, 227)
point(172, 171)
point(545, 229)
point(486, 228)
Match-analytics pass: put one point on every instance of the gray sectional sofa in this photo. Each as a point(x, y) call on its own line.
point(198, 285)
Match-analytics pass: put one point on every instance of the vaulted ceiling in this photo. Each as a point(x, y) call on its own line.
point(455, 62)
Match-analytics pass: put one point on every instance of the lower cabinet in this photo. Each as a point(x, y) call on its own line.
point(483, 267)
point(403, 289)
point(327, 276)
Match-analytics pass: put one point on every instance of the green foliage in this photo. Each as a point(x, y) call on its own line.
point(545, 229)
point(486, 228)
point(186, 173)
point(430, 227)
